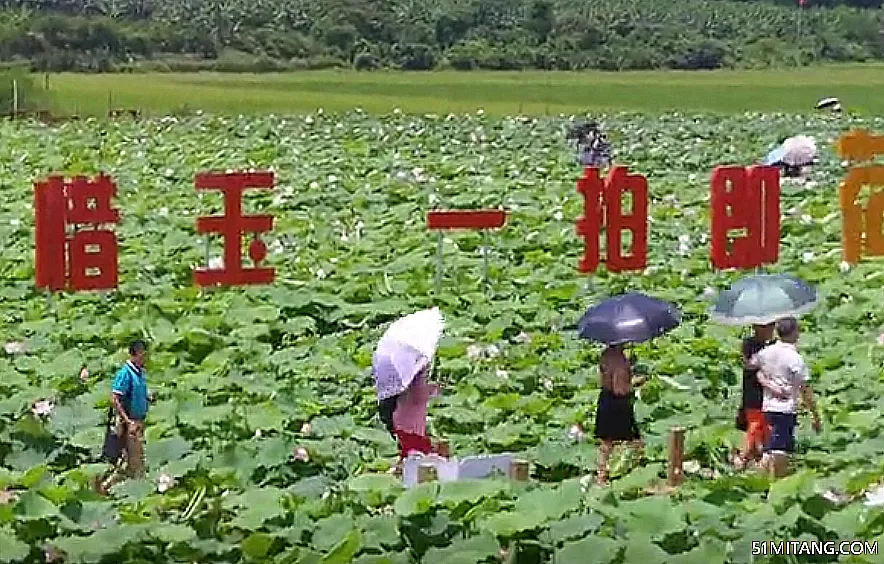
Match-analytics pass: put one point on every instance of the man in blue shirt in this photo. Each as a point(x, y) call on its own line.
point(130, 400)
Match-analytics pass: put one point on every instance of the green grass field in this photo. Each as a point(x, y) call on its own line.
point(529, 93)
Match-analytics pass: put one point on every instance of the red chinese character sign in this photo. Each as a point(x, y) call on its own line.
point(603, 211)
point(86, 260)
point(474, 220)
point(232, 226)
point(745, 200)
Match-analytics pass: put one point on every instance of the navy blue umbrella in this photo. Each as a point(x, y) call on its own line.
point(629, 318)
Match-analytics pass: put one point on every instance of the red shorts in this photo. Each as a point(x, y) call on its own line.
point(409, 442)
point(757, 429)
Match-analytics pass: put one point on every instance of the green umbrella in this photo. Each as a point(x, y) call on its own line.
point(762, 299)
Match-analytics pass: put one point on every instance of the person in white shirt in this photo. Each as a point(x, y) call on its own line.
point(784, 376)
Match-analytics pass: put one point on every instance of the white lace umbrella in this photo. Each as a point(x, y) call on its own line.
point(408, 345)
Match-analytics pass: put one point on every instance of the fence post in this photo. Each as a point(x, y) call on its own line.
point(675, 471)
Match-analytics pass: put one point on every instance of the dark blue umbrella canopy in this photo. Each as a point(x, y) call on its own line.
point(628, 318)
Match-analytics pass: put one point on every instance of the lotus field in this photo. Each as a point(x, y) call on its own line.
point(263, 443)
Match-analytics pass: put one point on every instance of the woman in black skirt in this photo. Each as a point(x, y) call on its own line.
point(615, 418)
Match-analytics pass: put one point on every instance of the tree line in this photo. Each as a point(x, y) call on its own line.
point(275, 35)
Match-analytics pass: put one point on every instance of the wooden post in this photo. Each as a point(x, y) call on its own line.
point(779, 464)
point(426, 472)
point(519, 470)
point(674, 472)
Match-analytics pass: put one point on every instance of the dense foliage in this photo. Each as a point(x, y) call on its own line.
point(264, 445)
point(256, 35)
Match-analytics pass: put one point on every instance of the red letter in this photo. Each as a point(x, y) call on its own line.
point(467, 219)
point(91, 261)
point(49, 237)
point(232, 225)
point(602, 208)
point(746, 199)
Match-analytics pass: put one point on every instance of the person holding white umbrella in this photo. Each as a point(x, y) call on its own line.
point(401, 369)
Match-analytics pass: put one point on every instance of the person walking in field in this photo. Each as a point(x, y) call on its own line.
point(130, 400)
point(615, 416)
point(405, 416)
point(784, 376)
point(750, 417)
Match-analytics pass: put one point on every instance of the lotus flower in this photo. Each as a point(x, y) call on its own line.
point(84, 374)
point(306, 428)
point(165, 483)
point(523, 338)
point(302, 454)
point(15, 348)
point(42, 408)
point(876, 497)
point(575, 433)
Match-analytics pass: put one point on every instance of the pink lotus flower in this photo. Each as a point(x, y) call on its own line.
point(42, 408)
point(302, 454)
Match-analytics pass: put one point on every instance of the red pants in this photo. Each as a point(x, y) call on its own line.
point(409, 442)
point(757, 429)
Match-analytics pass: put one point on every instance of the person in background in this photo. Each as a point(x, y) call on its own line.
point(130, 399)
point(784, 376)
point(405, 416)
point(615, 417)
point(750, 417)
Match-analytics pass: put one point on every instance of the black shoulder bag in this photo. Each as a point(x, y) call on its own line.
point(113, 443)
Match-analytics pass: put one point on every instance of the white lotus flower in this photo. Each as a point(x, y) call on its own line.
point(165, 483)
point(835, 497)
point(575, 433)
point(306, 429)
point(845, 266)
point(302, 454)
point(691, 467)
point(586, 482)
point(15, 347)
point(523, 338)
point(474, 352)
point(52, 554)
point(684, 245)
point(332, 178)
point(84, 374)
point(807, 257)
point(548, 384)
point(876, 497)
point(558, 216)
point(492, 351)
point(257, 433)
point(7, 497)
point(42, 408)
